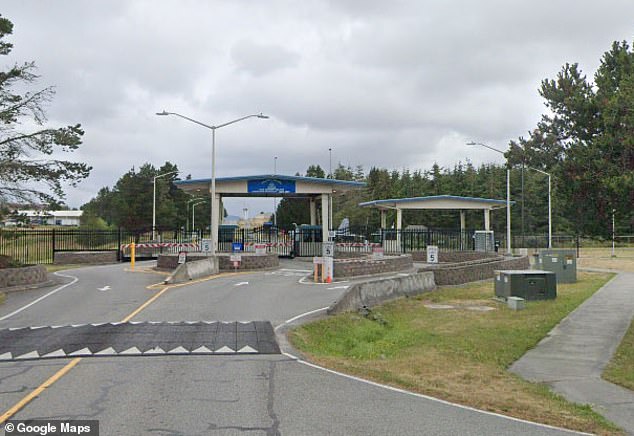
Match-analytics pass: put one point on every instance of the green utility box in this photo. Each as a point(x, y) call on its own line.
point(562, 262)
point(527, 284)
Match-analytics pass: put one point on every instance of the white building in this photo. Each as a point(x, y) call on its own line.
point(51, 218)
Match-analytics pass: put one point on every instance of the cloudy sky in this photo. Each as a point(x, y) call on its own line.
point(396, 84)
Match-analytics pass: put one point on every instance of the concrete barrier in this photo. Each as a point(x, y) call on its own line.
point(193, 270)
point(378, 291)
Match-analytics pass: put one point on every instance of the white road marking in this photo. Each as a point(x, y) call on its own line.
point(414, 394)
point(241, 284)
point(247, 349)
point(225, 349)
point(82, 352)
point(339, 287)
point(57, 353)
point(15, 312)
point(31, 355)
point(105, 288)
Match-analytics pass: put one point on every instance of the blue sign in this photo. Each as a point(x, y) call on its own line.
point(236, 247)
point(271, 186)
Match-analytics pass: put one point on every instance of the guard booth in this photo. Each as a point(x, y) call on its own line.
point(306, 240)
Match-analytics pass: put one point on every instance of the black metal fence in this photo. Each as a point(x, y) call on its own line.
point(33, 246)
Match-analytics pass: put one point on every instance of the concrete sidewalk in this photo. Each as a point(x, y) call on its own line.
point(573, 355)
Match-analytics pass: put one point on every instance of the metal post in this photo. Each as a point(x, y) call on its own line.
point(154, 210)
point(509, 251)
point(613, 233)
point(550, 218)
point(275, 199)
point(213, 228)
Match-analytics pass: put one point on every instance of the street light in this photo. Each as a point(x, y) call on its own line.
point(187, 214)
point(508, 195)
point(214, 215)
point(550, 221)
point(509, 251)
point(194, 213)
point(154, 202)
point(274, 198)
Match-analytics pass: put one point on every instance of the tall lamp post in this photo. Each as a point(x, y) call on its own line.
point(509, 251)
point(214, 214)
point(194, 213)
point(187, 214)
point(154, 202)
point(550, 220)
point(275, 199)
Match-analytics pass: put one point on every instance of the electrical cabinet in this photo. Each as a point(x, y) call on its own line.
point(526, 284)
point(562, 262)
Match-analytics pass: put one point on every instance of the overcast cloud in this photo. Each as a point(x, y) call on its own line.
point(399, 84)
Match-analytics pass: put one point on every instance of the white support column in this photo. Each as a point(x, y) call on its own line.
point(487, 219)
point(313, 212)
point(214, 221)
point(325, 200)
point(463, 220)
point(383, 219)
point(399, 224)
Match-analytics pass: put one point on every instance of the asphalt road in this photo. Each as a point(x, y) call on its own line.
point(213, 394)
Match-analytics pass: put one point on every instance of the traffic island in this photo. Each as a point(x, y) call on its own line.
point(226, 261)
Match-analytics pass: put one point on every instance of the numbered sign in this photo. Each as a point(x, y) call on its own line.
point(205, 245)
point(182, 257)
point(329, 249)
point(432, 254)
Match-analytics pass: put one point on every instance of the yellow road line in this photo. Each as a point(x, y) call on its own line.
point(26, 400)
point(144, 305)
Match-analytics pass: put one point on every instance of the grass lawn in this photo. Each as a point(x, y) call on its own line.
point(2, 298)
point(620, 370)
point(459, 354)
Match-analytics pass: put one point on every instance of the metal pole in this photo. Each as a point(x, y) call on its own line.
point(613, 237)
point(550, 218)
point(213, 191)
point(330, 226)
point(275, 199)
point(508, 212)
point(154, 211)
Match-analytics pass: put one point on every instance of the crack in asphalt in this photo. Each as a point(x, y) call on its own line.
point(274, 430)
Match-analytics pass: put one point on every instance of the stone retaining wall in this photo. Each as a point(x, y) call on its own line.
point(23, 276)
point(378, 291)
point(453, 256)
point(84, 257)
point(369, 265)
point(477, 270)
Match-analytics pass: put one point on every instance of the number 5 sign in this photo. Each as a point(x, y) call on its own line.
point(432, 254)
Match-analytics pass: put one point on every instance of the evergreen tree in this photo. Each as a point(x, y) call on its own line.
point(25, 156)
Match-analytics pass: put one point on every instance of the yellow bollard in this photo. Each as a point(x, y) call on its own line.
point(132, 255)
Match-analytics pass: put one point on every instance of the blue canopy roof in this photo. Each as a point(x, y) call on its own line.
point(316, 180)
